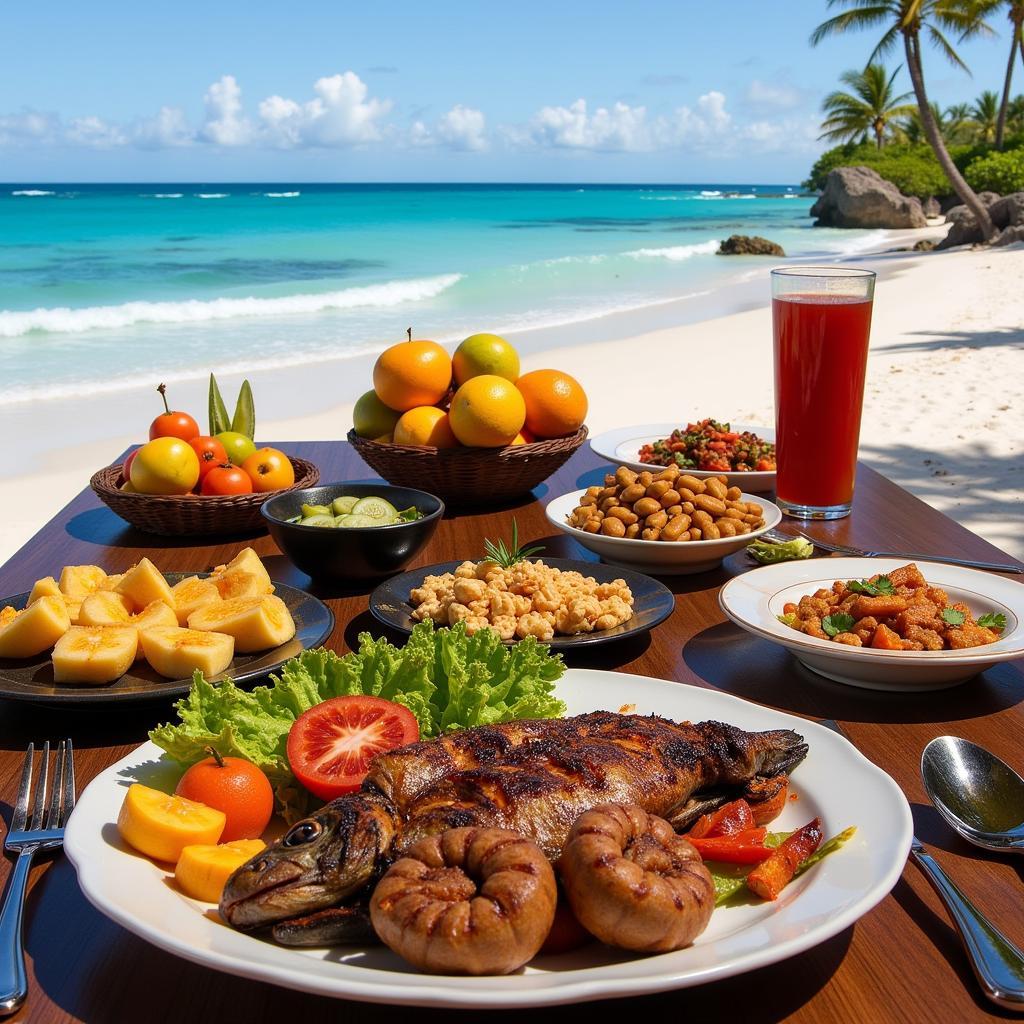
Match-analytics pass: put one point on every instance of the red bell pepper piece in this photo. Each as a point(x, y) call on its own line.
point(726, 821)
point(742, 848)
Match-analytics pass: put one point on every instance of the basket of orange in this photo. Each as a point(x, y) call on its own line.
point(468, 427)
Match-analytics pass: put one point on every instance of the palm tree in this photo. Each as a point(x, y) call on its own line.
point(870, 106)
point(955, 119)
point(1015, 113)
point(1015, 14)
point(909, 19)
point(911, 130)
point(985, 115)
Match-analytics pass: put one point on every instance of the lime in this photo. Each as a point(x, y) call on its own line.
point(372, 418)
point(483, 354)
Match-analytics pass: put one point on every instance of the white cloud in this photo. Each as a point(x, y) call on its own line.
point(621, 128)
point(707, 122)
point(29, 126)
point(95, 132)
point(777, 95)
point(225, 125)
point(166, 129)
point(461, 128)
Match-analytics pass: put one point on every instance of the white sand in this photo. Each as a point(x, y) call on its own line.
point(943, 415)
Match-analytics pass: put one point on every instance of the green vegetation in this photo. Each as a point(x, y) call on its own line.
point(997, 172)
point(869, 107)
point(913, 169)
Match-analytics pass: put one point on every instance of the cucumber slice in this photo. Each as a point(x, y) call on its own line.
point(375, 507)
point(316, 510)
point(355, 521)
point(343, 504)
point(317, 520)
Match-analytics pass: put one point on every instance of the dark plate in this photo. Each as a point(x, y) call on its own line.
point(652, 601)
point(32, 678)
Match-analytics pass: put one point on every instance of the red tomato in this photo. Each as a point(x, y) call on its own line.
point(226, 479)
point(330, 746)
point(236, 787)
point(211, 454)
point(172, 424)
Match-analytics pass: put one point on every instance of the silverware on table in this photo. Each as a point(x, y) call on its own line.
point(26, 837)
point(998, 964)
point(980, 796)
point(845, 549)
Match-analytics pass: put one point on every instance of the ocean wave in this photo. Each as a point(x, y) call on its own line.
point(31, 192)
point(676, 252)
point(282, 195)
point(161, 195)
point(709, 193)
point(72, 321)
point(212, 195)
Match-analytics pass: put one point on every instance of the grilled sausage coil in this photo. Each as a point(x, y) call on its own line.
point(633, 882)
point(467, 901)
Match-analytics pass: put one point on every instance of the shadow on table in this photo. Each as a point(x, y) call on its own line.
point(932, 830)
point(727, 658)
point(101, 527)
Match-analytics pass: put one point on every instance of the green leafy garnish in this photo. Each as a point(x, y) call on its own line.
point(768, 552)
point(447, 679)
point(837, 622)
point(993, 620)
point(872, 588)
point(410, 514)
point(953, 616)
point(789, 619)
point(506, 557)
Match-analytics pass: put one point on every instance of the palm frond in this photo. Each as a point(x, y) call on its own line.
point(863, 15)
point(942, 44)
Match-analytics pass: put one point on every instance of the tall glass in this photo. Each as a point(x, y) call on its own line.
point(822, 322)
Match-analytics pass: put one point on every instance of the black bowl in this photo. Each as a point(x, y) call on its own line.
point(358, 554)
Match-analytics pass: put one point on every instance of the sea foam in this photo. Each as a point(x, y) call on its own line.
point(64, 320)
point(282, 195)
point(212, 195)
point(676, 252)
point(31, 192)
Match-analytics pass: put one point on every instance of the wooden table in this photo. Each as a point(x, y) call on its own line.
point(901, 962)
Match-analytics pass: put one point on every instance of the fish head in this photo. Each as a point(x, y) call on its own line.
point(320, 861)
point(781, 752)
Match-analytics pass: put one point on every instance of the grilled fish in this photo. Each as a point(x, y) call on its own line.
point(533, 777)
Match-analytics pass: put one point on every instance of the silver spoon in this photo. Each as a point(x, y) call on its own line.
point(980, 797)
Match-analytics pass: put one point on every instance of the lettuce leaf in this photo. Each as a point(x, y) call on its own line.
point(447, 679)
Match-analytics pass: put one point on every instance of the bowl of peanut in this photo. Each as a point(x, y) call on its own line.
point(666, 522)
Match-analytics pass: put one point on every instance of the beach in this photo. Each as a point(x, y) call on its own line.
point(942, 416)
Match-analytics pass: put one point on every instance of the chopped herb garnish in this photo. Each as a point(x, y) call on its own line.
point(953, 616)
point(506, 557)
point(872, 588)
point(837, 622)
point(993, 620)
point(789, 619)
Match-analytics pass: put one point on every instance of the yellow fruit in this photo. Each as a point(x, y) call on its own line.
point(202, 871)
point(176, 652)
point(371, 417)
point(112, 581)
point(483, 354)
point(523, 437)
point(487, 412)
point(74, 610)
point(79, 581)
point(105, 608)
point(46, 587)
point(94, 654)
point(412, 373)
point(246, 561)
point(556, 404)
point(239, 583)
point(161, 825)
point(143, 584)
point(256, 623)
point(34, 630)
point(426, 425)
point(152, 616)
point(192, 593)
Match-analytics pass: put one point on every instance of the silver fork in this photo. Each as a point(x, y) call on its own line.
point(26, 837)
point(845, 549)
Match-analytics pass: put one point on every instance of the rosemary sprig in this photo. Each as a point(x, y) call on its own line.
point(505, 556)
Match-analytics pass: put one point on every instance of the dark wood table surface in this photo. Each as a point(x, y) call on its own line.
point(901, 962)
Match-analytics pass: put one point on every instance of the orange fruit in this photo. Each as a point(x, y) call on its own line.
point(235, 787)
point(523, 437)
point(426, 424)
point(556, 404)
point(371, 417)
point(487, 412)
point(485, 353)
point(412, 373)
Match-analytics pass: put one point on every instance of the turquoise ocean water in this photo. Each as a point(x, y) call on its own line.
point(103, 286)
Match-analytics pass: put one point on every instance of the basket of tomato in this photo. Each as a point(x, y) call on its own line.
point(186, 483)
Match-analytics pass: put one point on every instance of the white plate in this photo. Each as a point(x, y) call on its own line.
point(622, 446)
point(661, 558)
point(835, 782)
point(755, 599)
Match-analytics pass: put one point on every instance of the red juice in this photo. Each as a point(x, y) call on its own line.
point(821, 347)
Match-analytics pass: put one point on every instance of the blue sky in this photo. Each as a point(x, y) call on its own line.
point(447, 91)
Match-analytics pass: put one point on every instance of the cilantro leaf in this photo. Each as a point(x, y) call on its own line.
point(953, 616)
point(837, 622)
point(876, 588)
point(993, 620)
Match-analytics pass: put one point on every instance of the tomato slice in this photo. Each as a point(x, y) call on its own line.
point(331, 745)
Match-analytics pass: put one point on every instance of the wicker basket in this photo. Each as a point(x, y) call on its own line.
point(186, 515)
point(468, 476)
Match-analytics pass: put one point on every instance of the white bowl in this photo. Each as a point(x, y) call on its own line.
point(755, 600)
point(657, 557)
point(622, 446)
